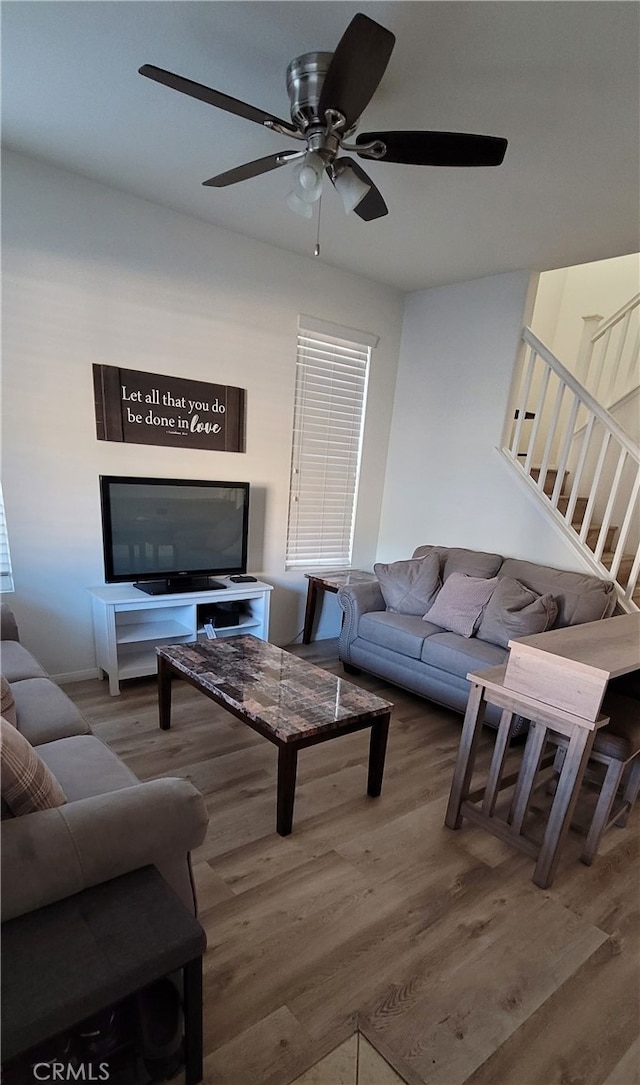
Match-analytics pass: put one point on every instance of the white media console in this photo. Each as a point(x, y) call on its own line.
point(128, 624)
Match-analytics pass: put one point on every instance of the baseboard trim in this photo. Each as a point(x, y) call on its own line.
point(75, 676)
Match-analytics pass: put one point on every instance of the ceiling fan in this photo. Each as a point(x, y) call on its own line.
point(327, 93)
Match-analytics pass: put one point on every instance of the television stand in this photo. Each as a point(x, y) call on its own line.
point(173, 585)
point(129, 623)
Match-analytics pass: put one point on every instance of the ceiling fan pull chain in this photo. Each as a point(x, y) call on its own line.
point(316, 251)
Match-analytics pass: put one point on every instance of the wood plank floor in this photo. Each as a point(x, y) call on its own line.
point(373, 914)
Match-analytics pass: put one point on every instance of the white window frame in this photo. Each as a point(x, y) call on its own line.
point(332, 377)
point(6, 575)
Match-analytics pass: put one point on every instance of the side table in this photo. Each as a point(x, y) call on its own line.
point(487, 687)
point(331, 581)
point(69, 960)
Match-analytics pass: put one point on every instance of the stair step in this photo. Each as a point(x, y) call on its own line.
point(626, 564)
point(593, 534)
point(579, 510)
point(549, 479)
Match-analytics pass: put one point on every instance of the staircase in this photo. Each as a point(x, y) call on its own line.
point(575, 459)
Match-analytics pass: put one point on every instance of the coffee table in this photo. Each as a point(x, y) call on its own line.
point(285, 699)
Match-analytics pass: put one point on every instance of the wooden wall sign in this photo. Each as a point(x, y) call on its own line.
point(151, 409)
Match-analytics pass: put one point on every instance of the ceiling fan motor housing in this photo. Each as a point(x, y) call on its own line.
point(305, 76)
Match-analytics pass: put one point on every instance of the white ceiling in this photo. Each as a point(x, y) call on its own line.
point(560, 80)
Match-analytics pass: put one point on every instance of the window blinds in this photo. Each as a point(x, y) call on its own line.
point(6, 578)
point(330, 397)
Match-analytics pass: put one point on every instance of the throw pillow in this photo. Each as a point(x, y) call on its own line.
point(515, 611)
point(409, 587)
point(7, 702)
point(460, 602)
point(27, 784)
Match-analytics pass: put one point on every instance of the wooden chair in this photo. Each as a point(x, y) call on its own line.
point(617, 748)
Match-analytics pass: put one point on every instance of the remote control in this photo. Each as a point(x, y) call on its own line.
point(244, 579)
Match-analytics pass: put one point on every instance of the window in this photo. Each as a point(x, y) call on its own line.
point(6, 578)
point(332, 370)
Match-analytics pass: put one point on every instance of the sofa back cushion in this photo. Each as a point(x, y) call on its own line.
point(26, 782)
point(409, 587)
point(580, 597)
point(454, 559)
point(515, 611)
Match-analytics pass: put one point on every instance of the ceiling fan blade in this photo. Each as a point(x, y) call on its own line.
point(213, 97)
point(372, 205)
point(252, 169)
point(436, 148)
point(357, 66)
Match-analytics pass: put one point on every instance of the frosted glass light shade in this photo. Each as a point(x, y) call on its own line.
point(301, 207)
point(351, 188)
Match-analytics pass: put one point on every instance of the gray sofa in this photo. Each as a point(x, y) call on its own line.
point(394, 638)
point(110, 824)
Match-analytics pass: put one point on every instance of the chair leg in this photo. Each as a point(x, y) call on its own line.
point(630, 793)
point(608, 792)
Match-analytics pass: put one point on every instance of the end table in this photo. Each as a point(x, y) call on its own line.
point(332, 581)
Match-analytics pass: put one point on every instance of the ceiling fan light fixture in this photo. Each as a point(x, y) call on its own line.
point(307, 187)
point(351, 188)
point(310, 171)
point(304, 208)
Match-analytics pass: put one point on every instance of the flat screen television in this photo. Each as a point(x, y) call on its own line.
point(167, 535)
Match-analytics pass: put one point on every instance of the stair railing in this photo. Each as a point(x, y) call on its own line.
point(607, 363)
point(579, 463)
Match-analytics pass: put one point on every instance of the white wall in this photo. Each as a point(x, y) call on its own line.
point(567, 295)
point(446, 483)
point(93, 275)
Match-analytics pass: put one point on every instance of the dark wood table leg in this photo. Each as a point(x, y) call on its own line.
point(192, 978)
point(377, 751)
point(287, 766)
point(471, 731)
point(164, 693)
point(312, 595)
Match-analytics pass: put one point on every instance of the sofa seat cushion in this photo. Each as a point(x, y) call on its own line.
point(459, 655)
point(580, 597)
point(400, 633)
point(18, 663)
point(85, 766)
point(45, 713)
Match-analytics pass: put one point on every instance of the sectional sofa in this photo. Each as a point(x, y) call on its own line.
point(107, 822)
point(426, 622)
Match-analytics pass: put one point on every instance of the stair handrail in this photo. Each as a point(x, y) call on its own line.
point(616, 318)
point(581, 392)
point(563, 425)
point(608, 353)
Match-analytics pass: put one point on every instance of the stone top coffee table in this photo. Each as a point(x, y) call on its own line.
point(283, 698)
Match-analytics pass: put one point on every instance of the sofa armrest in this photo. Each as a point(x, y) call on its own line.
point(356, 600)
point(8, 624)
point(51, 854)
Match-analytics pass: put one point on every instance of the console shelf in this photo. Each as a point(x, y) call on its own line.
point(128, 624)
